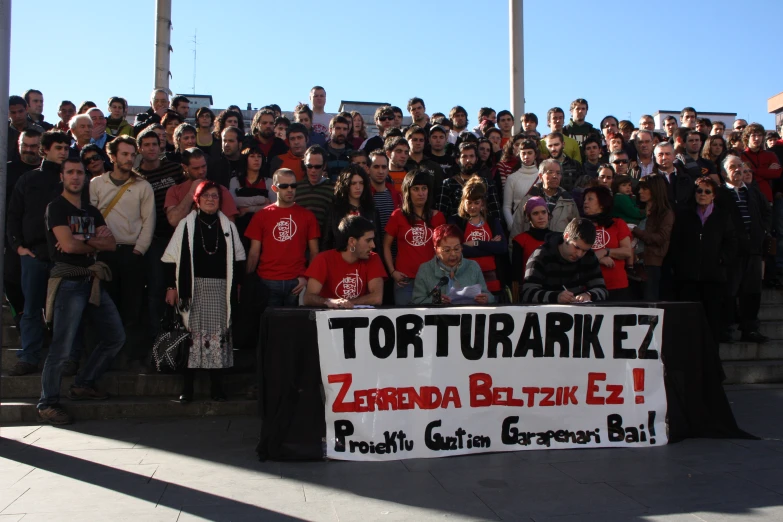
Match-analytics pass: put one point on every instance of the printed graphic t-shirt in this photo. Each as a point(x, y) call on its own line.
point(487, 263)
point(81, 221)
point(341, 279)
point(414, 243)
point(615, 277)
point(283, 233)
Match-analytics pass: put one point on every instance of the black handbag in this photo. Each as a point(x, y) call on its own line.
point(172, 345)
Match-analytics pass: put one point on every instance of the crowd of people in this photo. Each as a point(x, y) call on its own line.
point(108, 223)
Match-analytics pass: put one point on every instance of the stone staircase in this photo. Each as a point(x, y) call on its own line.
point(751, 363)
point(132, 394)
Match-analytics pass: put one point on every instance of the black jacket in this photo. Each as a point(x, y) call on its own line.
point(680, 189)
point(32, 193)
point(220, 170)
point(144, 120)
point(748, 242)
point(703, 253)
point(278, 147)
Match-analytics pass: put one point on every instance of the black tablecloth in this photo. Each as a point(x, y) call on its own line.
point(293, 414)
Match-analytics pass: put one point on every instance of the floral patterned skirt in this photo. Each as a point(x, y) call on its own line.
point(212, 345)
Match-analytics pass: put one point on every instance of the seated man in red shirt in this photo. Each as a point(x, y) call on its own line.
point(179, 198)
point(351, 274)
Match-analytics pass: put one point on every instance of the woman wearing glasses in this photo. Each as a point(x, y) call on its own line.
point(93, 161)
point(703, 247)
point(450, 268)
point(204, 261)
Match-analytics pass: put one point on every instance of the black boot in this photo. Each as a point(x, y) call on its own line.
point(187, 386)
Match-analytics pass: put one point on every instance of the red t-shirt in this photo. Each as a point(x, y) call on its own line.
point(283, 233)
point(414, 244)
point(529, 245)
point(175, 195)
point(614, 277)
point(487, 263)
point(341, 279)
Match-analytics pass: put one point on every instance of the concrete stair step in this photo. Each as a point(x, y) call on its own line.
point(771, 312)
point(243, 359)
point(772, 329)
point(738, 351)
point(753, 372)
point(24, 410)
point(126, 384)
point(11, 338)
point(771, 296)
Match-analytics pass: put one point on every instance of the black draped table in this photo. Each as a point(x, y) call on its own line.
point(289, 380)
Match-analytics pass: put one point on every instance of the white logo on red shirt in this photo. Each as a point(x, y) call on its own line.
point(285, 229)
point(418, 235)
point(602, 238)
point(478, 234)
point(350, 287)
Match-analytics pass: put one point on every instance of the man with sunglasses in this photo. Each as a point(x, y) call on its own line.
point(620, 162)
point(564, 269)
point(384, 120)
point(316, 192)
point(280, 234)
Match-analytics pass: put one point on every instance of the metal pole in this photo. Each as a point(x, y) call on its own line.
point(5, 75)
point(517, 61)
point(162, 44)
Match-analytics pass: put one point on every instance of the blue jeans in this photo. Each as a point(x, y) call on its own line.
point(280, 292)
point(404, 295)
point(69, 306)
point(777, 225)
point(35, 275)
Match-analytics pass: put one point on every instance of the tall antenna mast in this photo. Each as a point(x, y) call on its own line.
point(195, 45)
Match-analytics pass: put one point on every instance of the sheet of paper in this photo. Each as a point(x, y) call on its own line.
point(464, 295)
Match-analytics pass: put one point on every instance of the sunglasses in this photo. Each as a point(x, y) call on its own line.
point(620, 162)
point(92, 158)
point(311, 166)
point(386, 118)
point(703, 191)
point(286, 185)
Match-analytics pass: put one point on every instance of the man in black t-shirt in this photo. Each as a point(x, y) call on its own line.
point(75, 233)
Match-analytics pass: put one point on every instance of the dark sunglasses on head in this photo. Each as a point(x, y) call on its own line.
point(91, 159)
point(703, 191)
point(311, 166)
point(286, 185)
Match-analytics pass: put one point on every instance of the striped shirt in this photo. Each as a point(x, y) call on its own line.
point(162, 179)
point(316, 198)
point(741, 200)
point(385, 206)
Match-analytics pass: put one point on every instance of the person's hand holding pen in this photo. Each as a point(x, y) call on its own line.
point(565, 297)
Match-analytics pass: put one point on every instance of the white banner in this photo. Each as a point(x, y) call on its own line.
point(412, 383)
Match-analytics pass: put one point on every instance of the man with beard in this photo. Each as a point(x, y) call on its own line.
point(127, 203)
point(384, 120)
point(179, 198)
point(578, 128)
point(229, 164)
point(644, 155)
point(416, 137)
point(458, 117)
point(161, 174)
point(297, 142)
point(555, 118)
point(29, 145)
point(75, 232)
point(263, 134)
point(570, 170)
point(691, 159)
point(451, 194)
point(438, 151)
point(337, 148)
point(35, 105)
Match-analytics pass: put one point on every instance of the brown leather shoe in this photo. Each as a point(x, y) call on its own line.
point(22, 368)
point(78, 393)
point(54, 415)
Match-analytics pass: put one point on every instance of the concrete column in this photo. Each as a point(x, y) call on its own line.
point(517, 61)
point(162, 43)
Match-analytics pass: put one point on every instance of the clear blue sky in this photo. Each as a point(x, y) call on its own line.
point(625, 58)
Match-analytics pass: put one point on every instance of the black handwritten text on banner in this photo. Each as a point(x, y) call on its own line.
point(439, 382)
